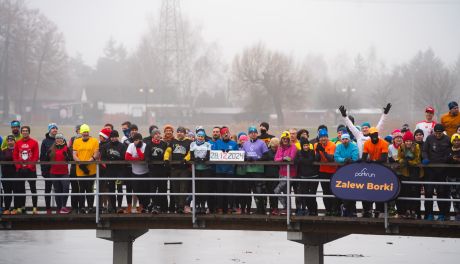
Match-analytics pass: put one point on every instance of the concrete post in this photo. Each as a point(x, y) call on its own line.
point(122, 243)
point(313, 244)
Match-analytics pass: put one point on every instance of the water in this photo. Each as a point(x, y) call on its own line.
point(211, 247)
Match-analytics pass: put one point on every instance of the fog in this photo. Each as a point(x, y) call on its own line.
point(228, 62)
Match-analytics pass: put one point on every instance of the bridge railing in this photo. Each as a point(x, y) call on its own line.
point(193, 179)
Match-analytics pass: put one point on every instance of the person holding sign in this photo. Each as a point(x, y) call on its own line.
point(225, 204)
point(325, 150)
point(374, 150)
point(286, 153)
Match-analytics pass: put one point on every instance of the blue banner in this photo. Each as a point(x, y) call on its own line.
point(365, 182)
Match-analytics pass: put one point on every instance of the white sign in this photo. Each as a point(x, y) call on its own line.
point(232, 155)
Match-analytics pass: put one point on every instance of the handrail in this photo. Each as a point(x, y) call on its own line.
point(288, 195)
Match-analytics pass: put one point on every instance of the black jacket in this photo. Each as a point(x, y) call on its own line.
point(113, 151)
point(304, 161)
point(436, 150)
point(8, 171)
point(46, 145)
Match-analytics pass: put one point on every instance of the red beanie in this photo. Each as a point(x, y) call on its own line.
point(408, 136)
point(105, 132)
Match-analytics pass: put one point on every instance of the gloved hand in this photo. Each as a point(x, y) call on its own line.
point(343, 111)
point(387, 109)
point(184, 161)
point(369, 161)
point(425, 161)
point(347, 161)
point(84, 168)
point(288, 159)
point(319, 147)
point(249, 159)
point(167, 163)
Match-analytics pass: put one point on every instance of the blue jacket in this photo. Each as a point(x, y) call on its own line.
point(342, 152)
point(225, 146)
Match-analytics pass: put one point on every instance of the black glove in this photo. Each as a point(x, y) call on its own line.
point(347, 161)
point(249, 159)
point(343, 111)
point(369, 161)
point(184, 161)
point(167, 164)
point(319, 147)
point(387, 109)
point(84, 168)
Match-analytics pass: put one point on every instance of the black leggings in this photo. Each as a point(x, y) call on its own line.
point(140, 186)
point(48, 187)
point(8, 188)
point(86, 186)
point(307, 188)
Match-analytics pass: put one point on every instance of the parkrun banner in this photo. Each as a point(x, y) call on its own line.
point(365, 182)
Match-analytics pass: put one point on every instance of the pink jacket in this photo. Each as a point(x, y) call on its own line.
point(290, 151)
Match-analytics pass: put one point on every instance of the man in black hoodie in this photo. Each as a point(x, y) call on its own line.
point(113, 150)
point(436, 150)
point(46, 145)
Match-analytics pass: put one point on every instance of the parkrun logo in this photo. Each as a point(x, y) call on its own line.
point(364, 173)
point(365, 182)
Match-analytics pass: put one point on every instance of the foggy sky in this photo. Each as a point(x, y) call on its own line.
point(397, 29)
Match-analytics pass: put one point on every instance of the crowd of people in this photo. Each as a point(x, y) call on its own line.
point(175, 149)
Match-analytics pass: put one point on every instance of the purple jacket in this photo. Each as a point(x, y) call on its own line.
point(255, 149)
point(287, 151)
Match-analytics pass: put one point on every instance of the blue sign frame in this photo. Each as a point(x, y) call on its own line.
point(365, 182)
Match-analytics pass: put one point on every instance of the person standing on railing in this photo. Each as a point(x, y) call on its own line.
point(59, 152)
point(451, 119)
point(347, 152)
point(409, 157)
point(26, 149)
point(155, 151)
point(454, 172)
point(225, 204)
point(255, 150)
point(272, 171)
point(375, 150)
point(135, 152)
point(199, 153)
point(15, 131)
point(436, 150)
point(9, 172)
point(325, 150)
point(86, 148)
point(45, 168)
point(286, 152)
point(114, 150)
point(363, 135)
point(306, 170)
point(179, 151)
point(74, 200)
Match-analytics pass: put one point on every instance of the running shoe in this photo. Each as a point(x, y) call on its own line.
point(64, 210)
point(34, 210)
point(6, 212)
point(441, 217)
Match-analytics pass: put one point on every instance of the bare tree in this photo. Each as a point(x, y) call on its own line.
point(269, 80)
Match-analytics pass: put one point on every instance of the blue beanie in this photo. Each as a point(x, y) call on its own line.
point(15, 123)
point(322, 133)
point(252, 129)
point(51, 126)
point(452, 105)
point(389, 139)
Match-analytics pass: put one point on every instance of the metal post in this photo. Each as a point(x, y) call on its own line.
point(193, 195)
point(288, 195)
point(122, 243)
point(386, 214)
point(97, 193)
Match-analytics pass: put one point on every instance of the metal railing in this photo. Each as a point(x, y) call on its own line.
point(288, 195)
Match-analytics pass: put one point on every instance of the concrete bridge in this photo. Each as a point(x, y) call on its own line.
point(311, 231)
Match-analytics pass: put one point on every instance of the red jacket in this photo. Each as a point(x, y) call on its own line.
point(62, 154)
point(26, 150)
